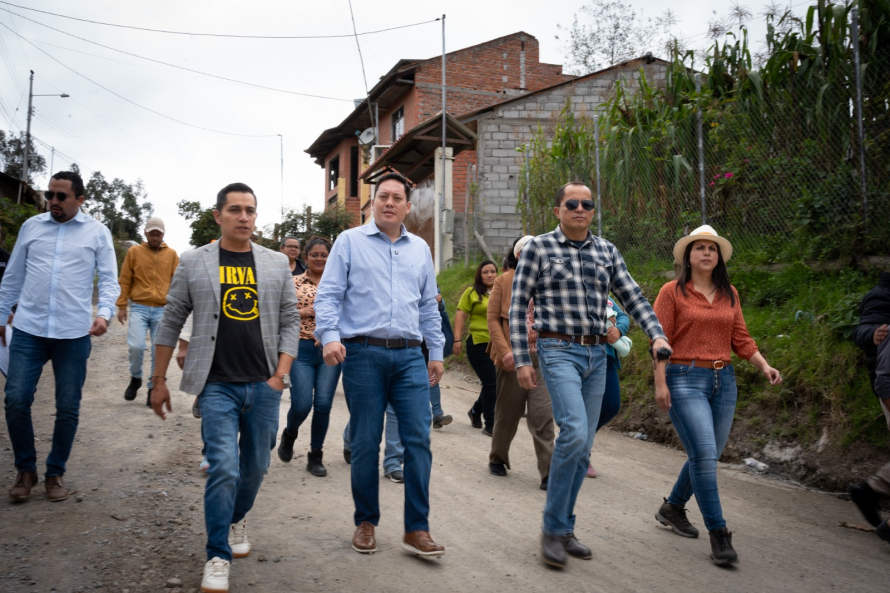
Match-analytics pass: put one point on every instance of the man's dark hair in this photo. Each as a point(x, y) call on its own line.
point(561, 192)
point(286, 239)
point(397, 177)
point(222, 196)
point(74, 178)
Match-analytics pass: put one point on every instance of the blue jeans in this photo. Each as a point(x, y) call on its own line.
point(393, 452)
point(612, 395)
point(374, 377)
point(237, 466)
point(27, 356)
point(142, 319)
point(576, 378)
point(312, 388)
point(702, 406)
point(436, 400)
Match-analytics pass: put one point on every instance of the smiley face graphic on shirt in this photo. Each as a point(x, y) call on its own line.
point(240, 300)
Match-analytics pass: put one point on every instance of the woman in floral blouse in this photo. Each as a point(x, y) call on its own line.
point(312, 381)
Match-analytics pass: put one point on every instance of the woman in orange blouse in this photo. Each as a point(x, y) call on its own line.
point(702, 318)
point(312, 382)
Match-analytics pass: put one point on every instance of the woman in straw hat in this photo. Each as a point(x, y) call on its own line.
point(702, 317)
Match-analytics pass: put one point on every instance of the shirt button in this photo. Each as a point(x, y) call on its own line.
point(397, 252)
point(212, 339)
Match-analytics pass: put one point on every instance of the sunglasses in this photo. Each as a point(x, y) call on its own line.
point(573, 204)
point(60, 196)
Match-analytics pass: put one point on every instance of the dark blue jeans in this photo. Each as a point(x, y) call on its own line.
point(702, 406)
point(374, 376)
point(237, 465)
point(27, 356)
point(312, 388)
point(612, 396)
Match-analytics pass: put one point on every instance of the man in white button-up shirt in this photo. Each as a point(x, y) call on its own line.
point(50, 275)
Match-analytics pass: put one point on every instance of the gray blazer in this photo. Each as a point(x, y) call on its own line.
point(195, 289)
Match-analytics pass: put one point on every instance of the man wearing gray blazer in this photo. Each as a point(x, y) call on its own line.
point(245, 332)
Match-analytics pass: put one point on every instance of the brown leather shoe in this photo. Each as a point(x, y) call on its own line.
point(363, 540)
point(421, 544)
point(55, 489)
point(24, 481)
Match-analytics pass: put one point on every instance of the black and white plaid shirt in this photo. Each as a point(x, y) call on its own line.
point(570, 286)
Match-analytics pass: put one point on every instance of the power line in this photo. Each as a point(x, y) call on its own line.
point(362, 61)
point(119, 96)
point(216, 34)
point(260, 86)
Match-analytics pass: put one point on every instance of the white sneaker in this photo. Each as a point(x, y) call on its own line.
point(216, 576)
point(238, 539)
point(205, 465)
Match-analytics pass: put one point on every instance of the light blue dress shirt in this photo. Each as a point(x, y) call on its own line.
point(50, 275)
point(375, 287)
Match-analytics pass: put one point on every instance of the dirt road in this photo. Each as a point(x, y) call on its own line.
point(137, 521)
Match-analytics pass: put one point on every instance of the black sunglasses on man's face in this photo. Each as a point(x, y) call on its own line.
point(59, 195)
point(573, 204)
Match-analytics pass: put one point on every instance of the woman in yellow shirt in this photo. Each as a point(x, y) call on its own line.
point(473, 305)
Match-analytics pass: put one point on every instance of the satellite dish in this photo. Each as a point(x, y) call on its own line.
point(367, 137)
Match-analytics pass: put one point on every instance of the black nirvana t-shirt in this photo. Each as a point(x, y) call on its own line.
point(239, 356)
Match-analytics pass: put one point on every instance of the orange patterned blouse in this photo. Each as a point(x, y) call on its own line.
point(699, 330)
point(306, 291)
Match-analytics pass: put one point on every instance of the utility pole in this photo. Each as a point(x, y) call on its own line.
point(281, 140)
point(27, 155)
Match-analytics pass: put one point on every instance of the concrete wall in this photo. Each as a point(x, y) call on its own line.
point(511, 125)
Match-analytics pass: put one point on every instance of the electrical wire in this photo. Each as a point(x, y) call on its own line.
point(260, 86)
point(193, 34)
point(362, 61)
point(143, 107)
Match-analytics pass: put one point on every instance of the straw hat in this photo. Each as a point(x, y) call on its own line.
point(707, 233)
point(520, 244)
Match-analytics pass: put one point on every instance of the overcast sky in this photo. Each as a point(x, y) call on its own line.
point(101, 131)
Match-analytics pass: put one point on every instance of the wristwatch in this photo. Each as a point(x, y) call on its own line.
point(285, 378)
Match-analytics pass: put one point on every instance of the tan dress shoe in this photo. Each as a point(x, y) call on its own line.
point(421, 544)
point(363, 540)
point(24, 481)
point(55, 489)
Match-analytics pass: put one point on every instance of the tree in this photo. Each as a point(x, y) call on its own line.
point(305, 223)
point(119, 205)
point(204, 227)
point(607, 32)
point(12, 153)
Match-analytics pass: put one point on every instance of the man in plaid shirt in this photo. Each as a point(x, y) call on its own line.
point(570, 273)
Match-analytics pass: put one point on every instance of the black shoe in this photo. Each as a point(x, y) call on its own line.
point(475, 419)
point(575, 548)
point(286, 446)
point(544, 481)
point(314, 465)
point(487, 431)
point(347, 455)
point(866, 501)
point(498, 469)
point(148, 398)
point(674, 516)
point(442, 420)
point(722, 552)
point(553, 550)
point(883, 531)
point(132, 388)
point(397, 476)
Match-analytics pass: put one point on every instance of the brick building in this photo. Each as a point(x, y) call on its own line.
point(410, 94)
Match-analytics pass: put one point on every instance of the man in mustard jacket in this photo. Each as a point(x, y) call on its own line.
point(145, 279)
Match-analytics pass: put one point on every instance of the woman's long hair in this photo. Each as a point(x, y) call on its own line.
point(478, 285)
point(719, 276)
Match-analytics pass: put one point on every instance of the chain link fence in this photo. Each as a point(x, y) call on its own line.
point(786, 170)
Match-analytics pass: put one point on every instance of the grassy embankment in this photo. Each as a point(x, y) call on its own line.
point(799, 319)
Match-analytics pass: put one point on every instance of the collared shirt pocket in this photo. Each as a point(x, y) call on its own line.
point(598, 273)
point(560, 269)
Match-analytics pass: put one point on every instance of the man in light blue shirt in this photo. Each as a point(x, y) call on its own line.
point(375, 304)
point(50, 276)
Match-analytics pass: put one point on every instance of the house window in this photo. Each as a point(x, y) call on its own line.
point(353, 171)
point(333, 173)
point(398, 123)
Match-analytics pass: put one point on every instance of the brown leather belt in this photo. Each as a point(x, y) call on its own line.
point(385, 342)
point(583, 340)
point(706, 364)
